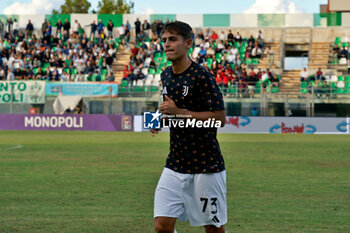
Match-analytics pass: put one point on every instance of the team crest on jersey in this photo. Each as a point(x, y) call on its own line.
point(164, 92)
point(185, 90)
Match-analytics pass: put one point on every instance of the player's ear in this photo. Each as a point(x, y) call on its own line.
point(189, 43)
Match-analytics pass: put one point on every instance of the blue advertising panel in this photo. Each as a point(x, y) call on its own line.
point(81, 89)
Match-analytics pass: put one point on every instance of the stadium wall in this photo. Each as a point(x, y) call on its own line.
point(201, 20)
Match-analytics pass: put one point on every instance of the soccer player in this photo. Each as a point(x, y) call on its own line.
point(193, 183)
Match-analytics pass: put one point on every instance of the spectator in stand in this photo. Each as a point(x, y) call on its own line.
point(66, 26)
point(218, 80)
point(110, 77)
point(146, 27)
point(110, 27)
point(256, 51)
point(260, 42)
point(214, 36)
point(2, 26)
point(154, 27)
point(251, 82)
point(100, 27)
point(304, 75)
point(44, 27)
point(127, 37)
point(15, 28)
point(275, 82)
point(93, 30)
point(137, 27)
point(264, 79)
point(336, 52)
point(29, 29)
point(319, 76)
point(9, 26)
point(59, 25)
point(230, 36)
point(251, 40)
point(76, 27)
point(222, 36)
point(160, 27)
point(343, 53)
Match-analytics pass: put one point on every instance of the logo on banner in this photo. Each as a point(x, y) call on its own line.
point(126, 122)
point(35, 92)
point(238, 121)
point(151, 120)
point(283, 128)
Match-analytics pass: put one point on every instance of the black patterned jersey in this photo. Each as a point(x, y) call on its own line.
point(193, 150)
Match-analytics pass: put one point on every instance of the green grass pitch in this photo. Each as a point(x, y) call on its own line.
point(105, 182)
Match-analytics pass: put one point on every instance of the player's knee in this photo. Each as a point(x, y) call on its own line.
point(162, 227)
point(214, 229)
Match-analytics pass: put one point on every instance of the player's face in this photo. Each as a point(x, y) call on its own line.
point(175, 46)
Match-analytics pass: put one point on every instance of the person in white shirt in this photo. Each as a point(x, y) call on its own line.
point(222, 36)
point(76, 27)
point(230, 58)
point(304, 75)
point(256, 52)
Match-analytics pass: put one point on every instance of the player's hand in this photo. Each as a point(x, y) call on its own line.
point(154, 131)
point(168, 106)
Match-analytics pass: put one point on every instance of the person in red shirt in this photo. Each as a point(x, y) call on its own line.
point(214, 36)
point(319, 76)
point(218, 80)
point(128, 69)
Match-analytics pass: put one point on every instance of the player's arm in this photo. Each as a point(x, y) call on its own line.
point(169, 107)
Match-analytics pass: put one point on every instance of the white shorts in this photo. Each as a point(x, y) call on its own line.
point(201, 198)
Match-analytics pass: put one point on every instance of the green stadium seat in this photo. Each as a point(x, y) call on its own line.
point(154, 89)
point(74, 71)
point(347, 90)
point(233, 89)
point(274, 90)
point(104, 71)
point(123, 89)
point(347, 78)
point(139, 89)
point(339, 91)
point(303, 90)
point(341, 78)
point(124, 83)
point(151, 71)
point(258, 87)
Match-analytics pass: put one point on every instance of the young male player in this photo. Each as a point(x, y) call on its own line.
point(193, 183)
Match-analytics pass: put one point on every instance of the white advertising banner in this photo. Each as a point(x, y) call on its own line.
point(29, 92)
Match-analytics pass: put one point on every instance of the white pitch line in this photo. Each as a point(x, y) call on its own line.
point(12, 148)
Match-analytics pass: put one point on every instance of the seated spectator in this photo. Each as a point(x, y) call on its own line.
point(239, 38)
point(251, 40)
point(218, 80)
point(264, 79)
point(110, 77)
point(304, 75)
point(140, 75)
point(335, 52)
point(64, 77)
point(256, 52)
point(319, 76)
point(343, 53)
point(275, 82)
point(80, 77)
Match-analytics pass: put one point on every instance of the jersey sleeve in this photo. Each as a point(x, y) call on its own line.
point(211, 94)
